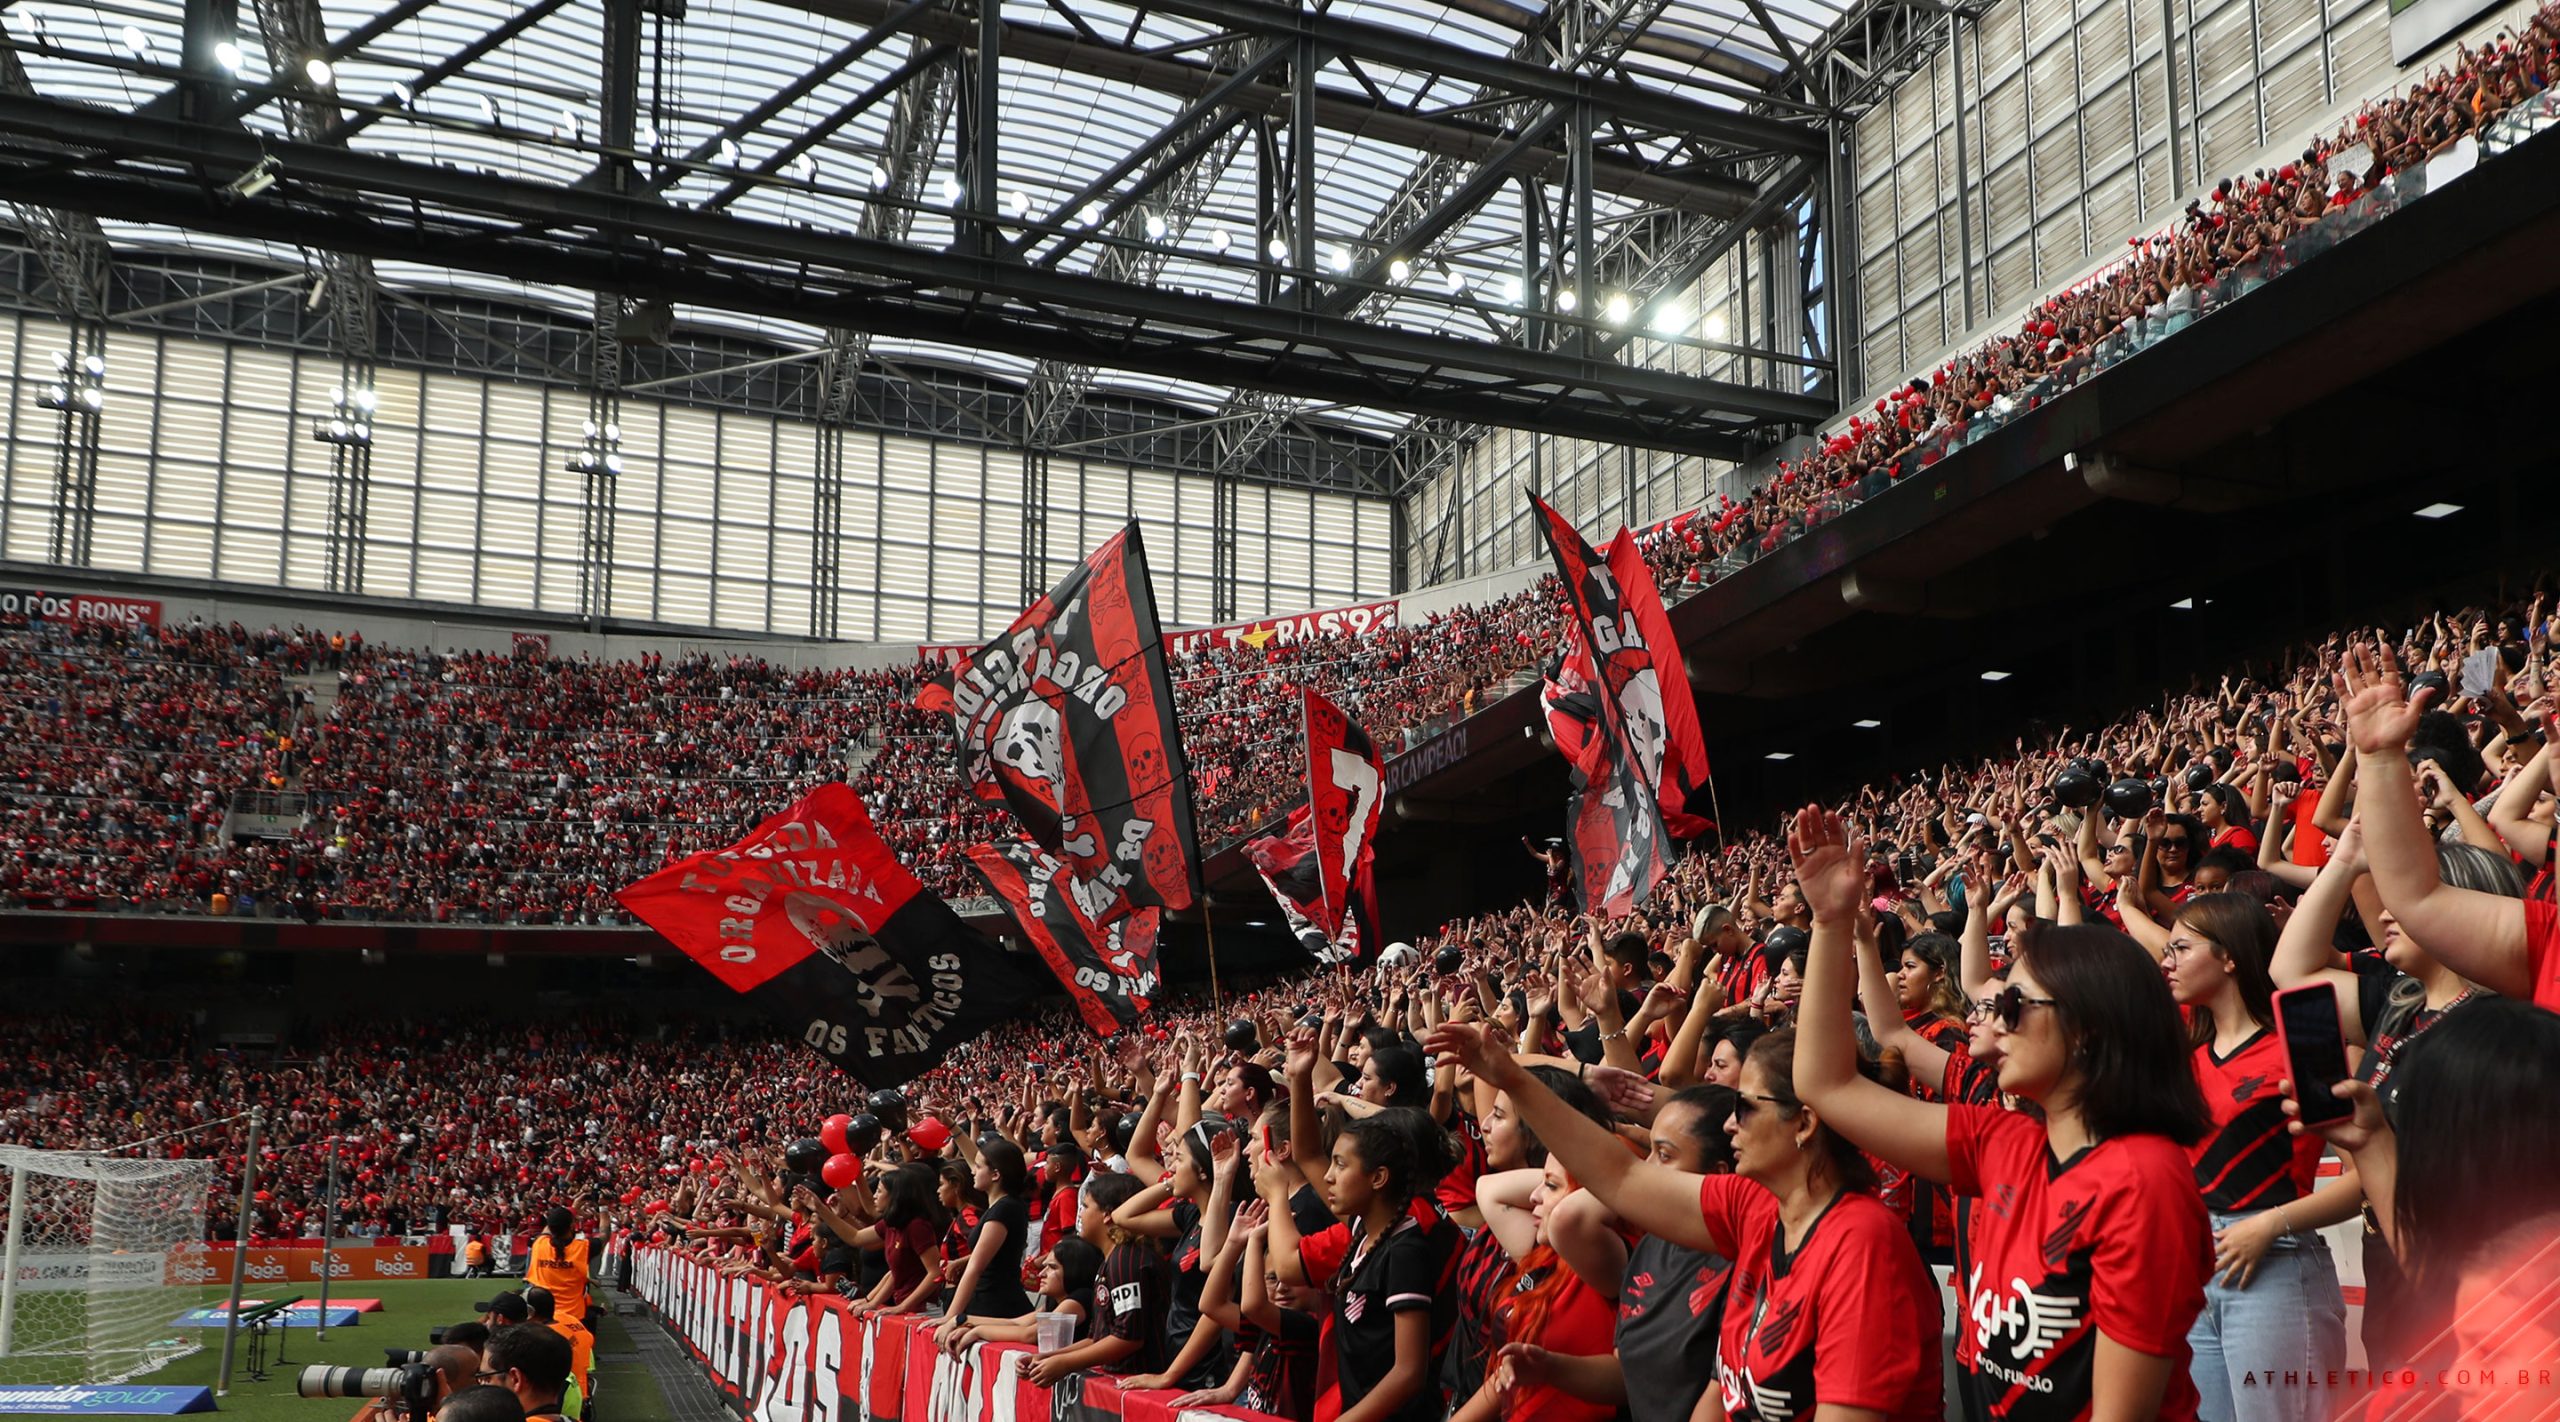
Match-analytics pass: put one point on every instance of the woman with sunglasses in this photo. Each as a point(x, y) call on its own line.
point(2087, 1259)
point(2272, 1301)
point(2171, 847)
point(1829, 1311)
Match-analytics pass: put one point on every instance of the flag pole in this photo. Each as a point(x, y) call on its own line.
point(1718, 806)
point(1208, 926)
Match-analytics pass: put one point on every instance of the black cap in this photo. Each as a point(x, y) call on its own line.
point(509, 1306)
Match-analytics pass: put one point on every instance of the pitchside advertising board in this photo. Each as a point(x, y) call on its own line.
point(127, 1401)
point(37, 605)
point(786, 1359)
point(301, 1266)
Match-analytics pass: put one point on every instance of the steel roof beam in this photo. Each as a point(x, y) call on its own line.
point(159, 171)
point(1335, 109)
point(453, 64)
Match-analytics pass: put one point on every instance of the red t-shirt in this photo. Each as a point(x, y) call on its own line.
point(2113, 1240)
point(1578, 1322)
point(2542, 952)
point(2250, 1161)
point(1850, 1318)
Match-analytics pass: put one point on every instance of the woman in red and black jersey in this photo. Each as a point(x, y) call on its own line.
point(1828, 1308)
point(2088, 1244)
point(2273, 1300)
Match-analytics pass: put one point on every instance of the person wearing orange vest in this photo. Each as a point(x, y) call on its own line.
point(475, 1257)
point(558, 1262)
point(545, 1309)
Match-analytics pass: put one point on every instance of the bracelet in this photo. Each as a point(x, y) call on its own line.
point(1581, 1070)
point(1191, 1078)
point(1618, 1036)
point(2286, 1220)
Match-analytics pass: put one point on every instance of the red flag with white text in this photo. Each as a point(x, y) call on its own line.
point(815, 919)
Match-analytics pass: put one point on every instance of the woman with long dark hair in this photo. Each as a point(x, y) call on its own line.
point(908, 1202)
point(1829, 1308)
point(990, 1283)
point(2088, 1255)
point(2273, 1300)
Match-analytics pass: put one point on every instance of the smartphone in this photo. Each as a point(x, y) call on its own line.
point(2314, 1051)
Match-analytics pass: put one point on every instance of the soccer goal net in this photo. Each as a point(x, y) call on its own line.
point(88, 1294)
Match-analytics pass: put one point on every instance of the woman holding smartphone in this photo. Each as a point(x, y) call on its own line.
point(2089, 1250)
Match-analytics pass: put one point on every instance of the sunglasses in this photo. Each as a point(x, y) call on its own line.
point(2167, 844)
point(1743, 1105)
point(2010, 1006)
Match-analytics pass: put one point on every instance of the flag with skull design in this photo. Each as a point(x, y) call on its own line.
point(813, 917)
point(1067, 720)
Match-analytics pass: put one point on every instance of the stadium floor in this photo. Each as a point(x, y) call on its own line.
point(627, 1390)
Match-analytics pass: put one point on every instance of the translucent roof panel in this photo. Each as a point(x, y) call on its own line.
point(718, 106)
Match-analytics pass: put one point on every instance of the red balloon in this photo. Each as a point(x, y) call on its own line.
point(841, 1169)
point(699, 1165)
point(655, 1207)
point(929, 1135)
point(831, 1133)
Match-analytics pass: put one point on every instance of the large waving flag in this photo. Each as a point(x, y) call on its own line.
point(1684, 758)
point(1068, 720)
point(1617, 837)
point(1345, 788)
point(813, 918)
point(1108, 968)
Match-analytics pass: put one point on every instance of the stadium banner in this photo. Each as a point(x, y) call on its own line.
point(1684, 753)
point(1108, 968)
point(1615, 820)
point(781, 1358)
point(1068, 721)
point(80, 609)
point(1357, 620)
point(266, 1265)
point(814, 918)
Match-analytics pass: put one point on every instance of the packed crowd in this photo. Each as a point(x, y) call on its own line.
point(494, 788)
point(442, 787)
point(2014, 1018)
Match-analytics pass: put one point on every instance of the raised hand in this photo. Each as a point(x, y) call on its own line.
point(1482, 1053)
point(1830, 860)
point(2381, 715)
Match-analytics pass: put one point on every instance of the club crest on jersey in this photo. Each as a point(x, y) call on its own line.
point(2028, 1322)
point(1354, 1305)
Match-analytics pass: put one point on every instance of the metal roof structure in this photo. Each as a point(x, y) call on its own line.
point(1381, 222)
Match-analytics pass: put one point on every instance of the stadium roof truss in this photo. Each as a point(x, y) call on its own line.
point(1312, 244)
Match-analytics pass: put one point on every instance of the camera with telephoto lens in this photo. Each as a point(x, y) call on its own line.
point(407, 1391)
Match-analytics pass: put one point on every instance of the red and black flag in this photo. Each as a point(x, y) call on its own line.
point(1290, 869)
point(1108, 968)
point(1684, 757)
point(1345, 788)
point(815, 919)
point(1619, 847)
point(1572, 708)
point(1068, 720)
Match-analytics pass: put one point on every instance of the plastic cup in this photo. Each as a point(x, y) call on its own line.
point(1057, 1331)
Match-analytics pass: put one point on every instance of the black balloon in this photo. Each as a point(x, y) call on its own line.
point(862, 1133)
point(2076, 788)
point(804, 1157)
point(2129, 799)
point(2199, 776)
point(1448, 961)
point(889, 1104)
point(1786, 940)
point(1242, 1039)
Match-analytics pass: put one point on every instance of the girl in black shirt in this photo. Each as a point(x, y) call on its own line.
point(991, 1282)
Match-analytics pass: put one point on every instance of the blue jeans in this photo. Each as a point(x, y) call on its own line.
point(2290, 1319)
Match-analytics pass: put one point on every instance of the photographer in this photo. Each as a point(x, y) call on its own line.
point(453, 1365)
point(532, 1362)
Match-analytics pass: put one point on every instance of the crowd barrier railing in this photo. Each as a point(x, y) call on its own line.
point(777, 1357)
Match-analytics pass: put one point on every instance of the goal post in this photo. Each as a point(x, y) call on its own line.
point(88, 1291)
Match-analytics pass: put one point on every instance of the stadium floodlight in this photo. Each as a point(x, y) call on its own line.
point(879, 177)
point(1714, 327)
point(136, 43)
point(1867, 723)
point(1278, 247)
point(349, 424)
point(1337, 260)
point(227, 54)
point(1219, 241)
point(1566, 300)
point(2439, 510)
point(1399, 271)
point(403, 96)
point(1670, 319)
point(78, 387)
point(319, 71)
point(1453, 279)
point(1512, 287)
point(1619, 308)
point(1781, 755)
point(600, 452)
point(1155, 227)
point(1018, 203)
point(1995, 676)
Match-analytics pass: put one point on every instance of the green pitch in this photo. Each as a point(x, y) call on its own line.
point(625, 1390)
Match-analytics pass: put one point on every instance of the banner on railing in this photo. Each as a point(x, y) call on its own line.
point(1357, 620)
point(297, 1266)
point(781, 1358)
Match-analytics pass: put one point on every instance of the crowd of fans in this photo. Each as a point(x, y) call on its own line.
point(499, 789)
point(2014, 1018)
